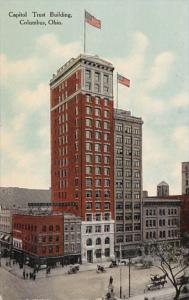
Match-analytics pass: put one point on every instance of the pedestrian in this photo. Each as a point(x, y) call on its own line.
point(24, 274)
point(34, 276)
point(30, 275)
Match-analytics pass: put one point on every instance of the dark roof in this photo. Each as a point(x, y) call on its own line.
point(11, 197)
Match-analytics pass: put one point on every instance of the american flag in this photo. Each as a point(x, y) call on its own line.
point(123, 80)
point(92, 20)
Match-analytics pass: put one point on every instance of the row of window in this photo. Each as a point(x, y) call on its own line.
point(98, 101)
point(120, 205)
point(97, 170)
point(89, 134)
point(128, 162)
point(128, 152)
point(97, 228)
point(162, 234)
point(128, 141)
point(128, 184)
point(97, 217)
point(128, 238)
point(128, 227)
point(128, 216)
point(98, 205)
point(97, 182)
point(49, 238)
point(97, 193)
point(98, 159)
point(97, 76)
point(98, 241)
point(162, 211)
point(97, 147)
point(97, 123)
point(128, 129)
point(97, 112)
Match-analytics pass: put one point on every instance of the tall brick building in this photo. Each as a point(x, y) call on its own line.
point(82, 150)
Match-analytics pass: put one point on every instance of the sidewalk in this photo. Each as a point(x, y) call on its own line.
point(58, 271)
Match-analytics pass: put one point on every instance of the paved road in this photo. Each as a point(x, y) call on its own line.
point(82, 286)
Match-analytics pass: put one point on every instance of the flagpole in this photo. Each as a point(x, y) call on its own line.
point(84, 46)
point(117, 94)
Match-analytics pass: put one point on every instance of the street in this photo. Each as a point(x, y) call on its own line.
point(85, 285)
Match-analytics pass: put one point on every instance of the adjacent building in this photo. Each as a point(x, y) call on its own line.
point(185, 178)
point(46, 237)
point(128, 182)
point(82, 148)
point(161, 220)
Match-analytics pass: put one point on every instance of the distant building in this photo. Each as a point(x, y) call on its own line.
point(161, 220)
point(162, 189)
point(15, 197)
point(184, 212)
point(5, 230)
point(41, 237)
point(185, 178)
point(128, 182)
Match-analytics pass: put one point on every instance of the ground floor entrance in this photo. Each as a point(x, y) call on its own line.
point(90, 256)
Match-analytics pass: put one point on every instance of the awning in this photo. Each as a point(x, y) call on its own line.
point(1, 236)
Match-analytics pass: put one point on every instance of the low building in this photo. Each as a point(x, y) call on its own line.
point(38, 237)
point(184, 212)
point(5, 231)
point(98, 240)
point(161, 220)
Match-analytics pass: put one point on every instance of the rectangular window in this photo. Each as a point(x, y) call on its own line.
point(97, 88)
point(89, 181)
point(97, 76)
point(88, 74)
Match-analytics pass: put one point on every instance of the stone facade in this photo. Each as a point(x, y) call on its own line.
point(128, 182)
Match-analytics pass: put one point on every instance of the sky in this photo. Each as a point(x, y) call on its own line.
point(146, 41)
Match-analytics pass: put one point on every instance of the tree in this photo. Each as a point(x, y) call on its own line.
point(173, 262)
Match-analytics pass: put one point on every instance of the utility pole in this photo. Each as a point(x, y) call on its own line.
point(129, 277)
point(120, 272)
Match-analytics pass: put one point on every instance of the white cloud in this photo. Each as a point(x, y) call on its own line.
point(58, 50)
point(132, 66)
point(34, 99)
point(160, 70)
point(181, 138)
point(181, 100)
point(16, 70)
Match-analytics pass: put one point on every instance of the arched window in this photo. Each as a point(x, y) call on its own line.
point(107, 240)
point(89, 242)
point(98, 241)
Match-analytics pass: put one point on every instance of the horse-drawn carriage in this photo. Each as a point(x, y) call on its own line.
point(73, 269)
point(157, 282)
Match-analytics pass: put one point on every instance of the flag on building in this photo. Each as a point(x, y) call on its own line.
point(123, 80)
point(92, 20)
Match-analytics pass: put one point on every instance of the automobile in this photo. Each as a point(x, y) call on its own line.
point(124, 262)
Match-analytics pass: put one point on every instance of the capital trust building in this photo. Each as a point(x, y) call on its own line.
point(94, 173)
